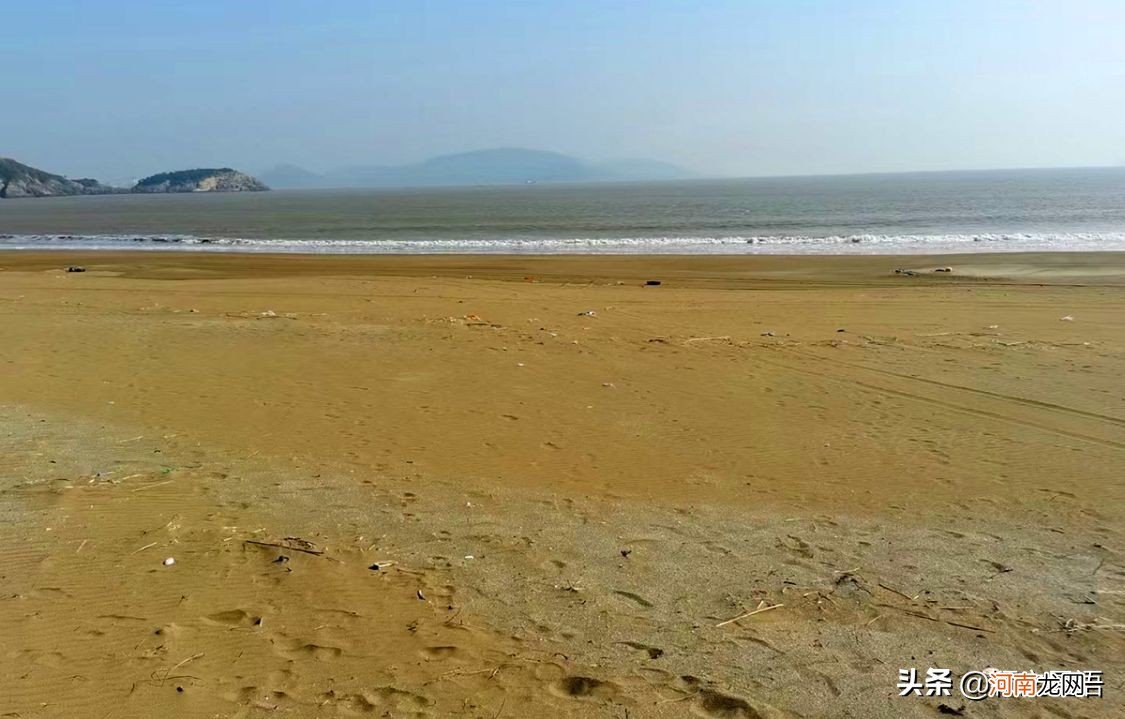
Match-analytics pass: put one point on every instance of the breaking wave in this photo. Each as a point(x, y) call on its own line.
point(731, 245)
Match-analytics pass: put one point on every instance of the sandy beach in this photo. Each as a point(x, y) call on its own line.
point(536, 486)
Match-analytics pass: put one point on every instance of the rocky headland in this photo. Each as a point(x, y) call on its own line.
point(20, 180)
point(222, 179)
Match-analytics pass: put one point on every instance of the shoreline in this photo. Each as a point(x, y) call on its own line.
point(1053, 267)
point(683, 247)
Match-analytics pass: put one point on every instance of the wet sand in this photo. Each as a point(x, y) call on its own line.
point(567, 482)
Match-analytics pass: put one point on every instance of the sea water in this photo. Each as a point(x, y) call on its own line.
point(985, 211)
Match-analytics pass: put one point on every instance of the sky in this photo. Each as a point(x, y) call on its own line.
point(119, 89)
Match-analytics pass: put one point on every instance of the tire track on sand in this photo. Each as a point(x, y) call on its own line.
point(1035, 403)
point(954, 406)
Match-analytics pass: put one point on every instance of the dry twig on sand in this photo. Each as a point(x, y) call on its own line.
point(759, 610)
point(706, 339)
point(172, 669)
point(920, 615)
point(492, 672)
point(901, 594)
point(150, 486)
point(684, 698)
point(295, 544)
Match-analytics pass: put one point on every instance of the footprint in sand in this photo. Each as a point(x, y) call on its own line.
point(357, 703)
point(258, 697)
point(717, 548)
point(549, 672)
point(371, 700)
point(439, 653)
point(234, 618)
point(654, 677)
point(43, 659)
point(798, 546)
point(716, 705)
point(633, 597)
point(653, 652)
point(299, 649)
point(576, 687)
point(712, 704)
point(171, 630)
point(442, 594)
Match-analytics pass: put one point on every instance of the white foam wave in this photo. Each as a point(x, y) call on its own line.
point(688, 245)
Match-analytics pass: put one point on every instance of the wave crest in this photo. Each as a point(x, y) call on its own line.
point(687, 245)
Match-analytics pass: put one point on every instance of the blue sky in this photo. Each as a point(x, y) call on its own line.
point(117, 89)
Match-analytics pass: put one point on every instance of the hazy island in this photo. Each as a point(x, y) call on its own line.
point(20, 180)
point(222, 179)
point(496, 166)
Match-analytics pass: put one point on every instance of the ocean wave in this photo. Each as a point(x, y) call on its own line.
point(685, 245)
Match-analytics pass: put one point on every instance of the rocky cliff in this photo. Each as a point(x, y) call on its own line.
point(20, 180)
point(221, 179)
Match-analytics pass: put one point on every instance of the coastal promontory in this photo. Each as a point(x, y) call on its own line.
point(222, 179)
point(20, 180)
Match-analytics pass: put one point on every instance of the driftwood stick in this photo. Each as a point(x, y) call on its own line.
point(280, 545)
point(946, 621)
point(172, 669)
point(895, 591)
point(706, 339)
point(150, 486)
point(759, 610)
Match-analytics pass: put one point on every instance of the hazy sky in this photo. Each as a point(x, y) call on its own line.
point(120, 88)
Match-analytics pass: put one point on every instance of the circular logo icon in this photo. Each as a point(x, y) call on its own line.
point(975, 686)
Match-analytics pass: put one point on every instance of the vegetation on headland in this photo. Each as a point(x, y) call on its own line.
point(221, 179)
point(20, 180)
point(180, 177)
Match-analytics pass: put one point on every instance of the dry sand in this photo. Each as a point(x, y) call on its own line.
point(567, 483)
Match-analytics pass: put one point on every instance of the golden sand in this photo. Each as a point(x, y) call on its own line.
point(512, 486)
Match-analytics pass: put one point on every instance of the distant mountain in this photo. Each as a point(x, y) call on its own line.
point(20, 180)
point(222, 179)
point(501, 166)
